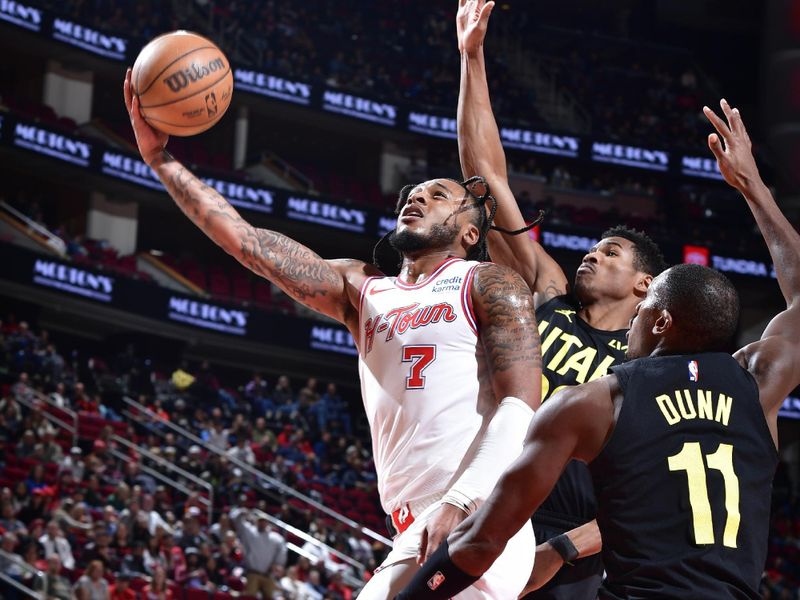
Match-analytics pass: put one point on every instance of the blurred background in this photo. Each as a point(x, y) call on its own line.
point(151, 387)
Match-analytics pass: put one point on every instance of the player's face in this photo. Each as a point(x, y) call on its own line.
point(435, 215)
point(641, 339)
point(607, 271)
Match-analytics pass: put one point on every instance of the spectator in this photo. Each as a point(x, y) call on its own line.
point(57, 395)
point(192, 536)
point(56, 586)
point(217, 435)
point(134, 563)
point(73, 464)
point(92, 585)
point(282, 394)
point(54, 543)
point(22, 390)
point(154, 556)
point(51, 451)
point(297, 589)
point(157, 589)
point(121, 590)
point(9, 522)
point(27, 445)
point(242, 450)
point(10, 566)
point(262, 549)
point(154, 520)
point(100, 549)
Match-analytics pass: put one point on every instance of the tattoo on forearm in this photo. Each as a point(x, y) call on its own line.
point(510, 335)
point(299, 271)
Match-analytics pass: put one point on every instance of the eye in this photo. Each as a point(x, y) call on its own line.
point(612, 253)
point(439, 195)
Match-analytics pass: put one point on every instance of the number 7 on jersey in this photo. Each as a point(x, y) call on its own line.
point(419, 357)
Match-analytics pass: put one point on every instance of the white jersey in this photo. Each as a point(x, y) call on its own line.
point(421, 367)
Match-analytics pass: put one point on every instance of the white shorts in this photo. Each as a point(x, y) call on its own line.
point(504, 580)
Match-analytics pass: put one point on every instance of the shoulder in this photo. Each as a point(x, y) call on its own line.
point(491, 278)
point(350, 267)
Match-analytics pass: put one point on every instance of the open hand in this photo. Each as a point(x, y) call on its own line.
point(735, 157)
point(151, 142)
point(437, 529)
point(472, 19)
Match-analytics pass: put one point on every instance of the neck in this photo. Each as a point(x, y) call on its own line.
point(417, 268)
point(609, 315)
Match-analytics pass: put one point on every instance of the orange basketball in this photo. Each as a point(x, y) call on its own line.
point(184, 83)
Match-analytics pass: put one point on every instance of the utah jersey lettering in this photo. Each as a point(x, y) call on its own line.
point(420, 361)
point(573, 353)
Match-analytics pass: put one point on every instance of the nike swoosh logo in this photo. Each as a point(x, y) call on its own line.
point(373, 292)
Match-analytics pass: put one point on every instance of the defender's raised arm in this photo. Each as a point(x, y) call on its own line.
point(481, 153)
point(775, 359)
point(325, 286)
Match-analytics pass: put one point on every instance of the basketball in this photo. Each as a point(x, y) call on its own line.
point(184, 83)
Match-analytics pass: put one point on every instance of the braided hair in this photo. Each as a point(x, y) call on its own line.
point(388, 260)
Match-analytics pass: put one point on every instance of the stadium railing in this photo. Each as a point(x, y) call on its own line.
point(260, 477)
point(174, 483)
point(39, 577)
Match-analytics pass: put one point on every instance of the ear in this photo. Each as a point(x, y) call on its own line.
point(663, 324)
point(471, 235)
point(643, 282)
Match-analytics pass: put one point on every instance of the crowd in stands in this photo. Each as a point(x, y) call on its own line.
point(91, 515)
point(406, 52)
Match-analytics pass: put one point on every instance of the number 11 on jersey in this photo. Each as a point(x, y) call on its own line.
point(690, 459)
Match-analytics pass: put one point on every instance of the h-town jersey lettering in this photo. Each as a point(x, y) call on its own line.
point(419, 361)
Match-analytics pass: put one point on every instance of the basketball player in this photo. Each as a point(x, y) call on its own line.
point(446, 352)
point(682, 443)
point(583, 332)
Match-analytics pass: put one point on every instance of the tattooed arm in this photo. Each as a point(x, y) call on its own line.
point(507, 330)
point(329, 287)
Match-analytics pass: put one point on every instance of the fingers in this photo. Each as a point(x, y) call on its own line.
point(126, 90)
point(715, 145)
point(430, 547)
point(718, 123)
point(726, 108)
point(422, 553)
point(486, 11)
point(738, 125)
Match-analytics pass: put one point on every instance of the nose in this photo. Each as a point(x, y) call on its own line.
point(590, 257)
point(419, 198)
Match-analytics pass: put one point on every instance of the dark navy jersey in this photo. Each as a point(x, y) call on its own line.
point(684, 482)
point(573, 352)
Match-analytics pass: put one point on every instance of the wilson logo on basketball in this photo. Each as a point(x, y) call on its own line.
point(399, 320)
point(181, 79)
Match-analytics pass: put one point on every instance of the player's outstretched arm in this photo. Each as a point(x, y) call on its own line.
point(775, 359)
point(481, 153)
point(575, 423)
point(325, 286)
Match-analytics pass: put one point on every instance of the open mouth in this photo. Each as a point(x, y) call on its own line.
point(412, 212)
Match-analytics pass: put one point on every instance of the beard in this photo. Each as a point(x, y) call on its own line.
point(409, 242)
